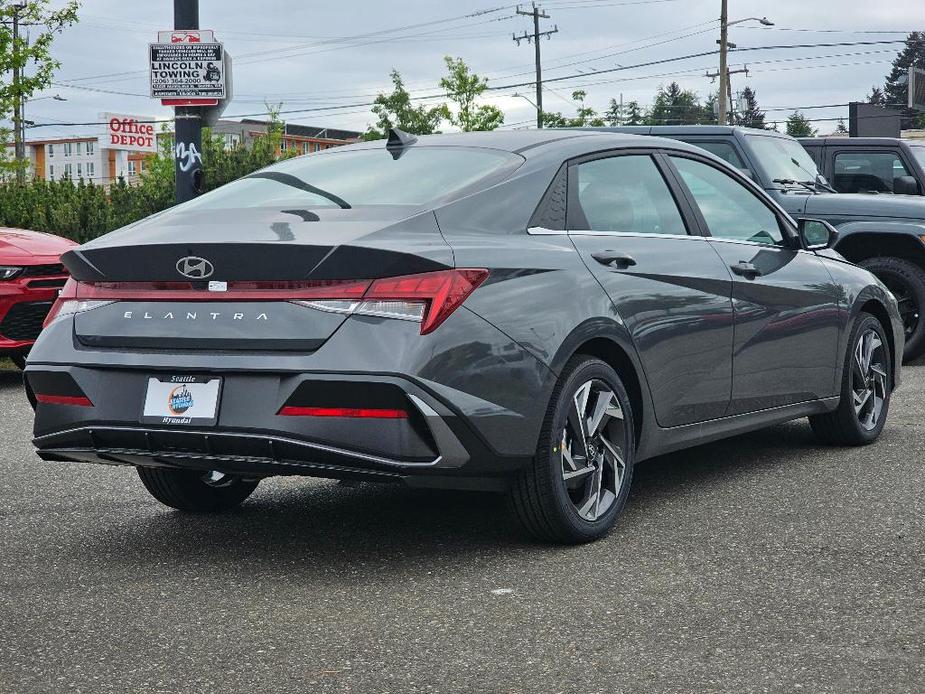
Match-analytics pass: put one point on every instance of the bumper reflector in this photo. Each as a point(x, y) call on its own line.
point(72, 400)
point(362, 413)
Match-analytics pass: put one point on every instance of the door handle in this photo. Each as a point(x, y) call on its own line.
point(615, 259)
point(746, 270)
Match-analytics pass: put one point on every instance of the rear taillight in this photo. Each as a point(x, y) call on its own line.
point(63, 308)
point(428, 298)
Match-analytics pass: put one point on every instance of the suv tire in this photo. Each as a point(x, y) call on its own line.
point(907, 282)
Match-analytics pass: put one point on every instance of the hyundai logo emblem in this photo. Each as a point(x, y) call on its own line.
point(195, 268)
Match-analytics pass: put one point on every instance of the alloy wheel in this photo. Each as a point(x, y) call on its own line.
point(591, 443)
point(869, 379)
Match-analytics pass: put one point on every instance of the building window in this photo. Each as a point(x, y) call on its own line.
point(80, 169)
point(232, 141)
point(131, 167)
point(91, 169)
point(51, 151)
point(91, 148)
point(283, 145)
point(68, 148)
point(80, 149)
point(68, 170)
point(51, 172)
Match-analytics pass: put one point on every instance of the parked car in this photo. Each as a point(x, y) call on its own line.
point(31, 274)
point(528, 312)
point(869, 164)
point(883, 234)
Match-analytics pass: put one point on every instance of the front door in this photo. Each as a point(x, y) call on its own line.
point(786, 303)
point(667, 285)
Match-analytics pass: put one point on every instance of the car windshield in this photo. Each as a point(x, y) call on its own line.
point(783, 159)
point(354, 178)
point(918, 151)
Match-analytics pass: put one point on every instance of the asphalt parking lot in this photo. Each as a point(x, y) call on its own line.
point(765, 563)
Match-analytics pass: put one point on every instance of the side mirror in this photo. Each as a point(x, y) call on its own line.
point(905, 185)
point(817, 234)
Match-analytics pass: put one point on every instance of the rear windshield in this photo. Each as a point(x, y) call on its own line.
point(352, 178)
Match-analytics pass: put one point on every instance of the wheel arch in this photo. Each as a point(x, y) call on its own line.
point(605, 342)
point(858, 243)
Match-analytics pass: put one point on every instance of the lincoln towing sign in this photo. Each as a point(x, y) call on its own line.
point(189, 65)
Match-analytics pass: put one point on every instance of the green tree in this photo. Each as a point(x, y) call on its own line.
point(876, 96)
point(675, 106)
point(750, 116)
point(395, 110)
point(799, 126)
point(896, 89)
point(840, 128)
point(634, 114)
point(32, 50)
point(464, 88)
point(585, 116)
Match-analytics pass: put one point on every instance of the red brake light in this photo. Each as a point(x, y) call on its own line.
point(359, 412)
point(444, 291)
point(74, 400)
point(68, 292)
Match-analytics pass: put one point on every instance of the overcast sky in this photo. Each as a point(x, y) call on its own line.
point(312, 55)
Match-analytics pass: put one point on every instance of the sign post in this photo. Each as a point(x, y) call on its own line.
point(190, 71)
point(188, 123)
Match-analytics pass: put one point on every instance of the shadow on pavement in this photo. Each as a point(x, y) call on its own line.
point(327, 529)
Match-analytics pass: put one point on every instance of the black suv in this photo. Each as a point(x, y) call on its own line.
point(884, 234)
point(869, 164)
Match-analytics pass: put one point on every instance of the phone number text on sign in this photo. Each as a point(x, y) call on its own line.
point(187, 70)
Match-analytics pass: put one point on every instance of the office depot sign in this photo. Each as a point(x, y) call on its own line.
point(135, 133)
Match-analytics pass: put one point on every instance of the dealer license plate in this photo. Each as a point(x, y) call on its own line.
point(182, 400)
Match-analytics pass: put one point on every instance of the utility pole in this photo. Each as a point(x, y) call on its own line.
point(537, 15)
point(18, 129)
point(723, 48)
point(727, 93)
point(188, 120)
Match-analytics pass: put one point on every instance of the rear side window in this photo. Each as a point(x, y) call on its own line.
point(730, 210)
point(867, 172)
point(625, 194)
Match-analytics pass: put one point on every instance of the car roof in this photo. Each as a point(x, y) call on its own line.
point(539, 144)
point(675, 130)
point(852, 141)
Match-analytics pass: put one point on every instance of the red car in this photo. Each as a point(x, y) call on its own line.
point(31, 274)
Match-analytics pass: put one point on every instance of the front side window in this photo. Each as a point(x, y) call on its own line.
point(723, 150)
point(625, 194)
point(867, 172)
point(730, 210)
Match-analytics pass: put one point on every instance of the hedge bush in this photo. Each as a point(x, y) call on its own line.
point(83, 210)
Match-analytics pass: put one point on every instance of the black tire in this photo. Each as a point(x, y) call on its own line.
point(188, 490)
point(846, 426)
point(19, 360)
point(907, 282)
point(548, 497)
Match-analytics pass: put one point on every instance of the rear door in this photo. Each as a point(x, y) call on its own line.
point(786, 304)
point(667, 284)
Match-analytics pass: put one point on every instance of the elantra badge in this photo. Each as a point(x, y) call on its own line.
point(195, 268)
